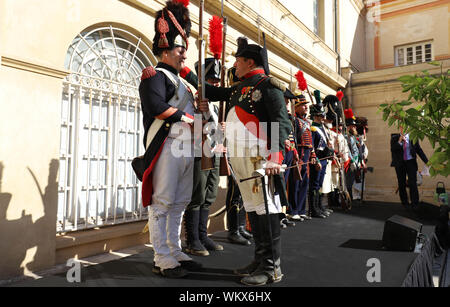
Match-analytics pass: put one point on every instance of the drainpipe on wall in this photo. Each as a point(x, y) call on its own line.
point(336, 35)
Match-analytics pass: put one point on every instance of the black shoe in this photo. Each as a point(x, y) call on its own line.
point(319, 215)
point(191, 265)
point(326, 213)
point(156, 269)
point(296, 218)
point(261, 279)
point(245, 233)
point(177, 272)
point(237, 238)
point(196, 248)
point(248, 270)
point(285, 222)
point(306, 217)
point(210, 245)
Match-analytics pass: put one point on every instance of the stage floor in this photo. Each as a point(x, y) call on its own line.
point(332, 252)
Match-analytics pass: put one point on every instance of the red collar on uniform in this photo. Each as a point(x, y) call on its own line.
point(253, 73)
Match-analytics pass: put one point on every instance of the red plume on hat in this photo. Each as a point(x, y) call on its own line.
point(340, 95)
point(216, 36)
point(349, 114)
point(184, 2)
point(302, 85)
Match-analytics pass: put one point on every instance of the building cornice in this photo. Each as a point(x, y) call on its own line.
point(33, 67)
point(277, 41)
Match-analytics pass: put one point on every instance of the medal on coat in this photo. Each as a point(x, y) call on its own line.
point(245, 92)
point(256, 96)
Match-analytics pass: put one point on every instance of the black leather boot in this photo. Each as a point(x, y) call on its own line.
point(249, 269)
point(193, 244)
point(203, 232)
point(234, 223)
point(314, 198)
point(322, 207)
point(269, 269)
point(245, 233)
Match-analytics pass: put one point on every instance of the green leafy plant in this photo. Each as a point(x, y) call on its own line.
point(428, 118)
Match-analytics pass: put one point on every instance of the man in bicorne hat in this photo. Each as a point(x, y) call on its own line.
point(257, 99)
point(168, 109)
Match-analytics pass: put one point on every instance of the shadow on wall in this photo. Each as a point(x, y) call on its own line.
point(28, 245)
point(358, 51)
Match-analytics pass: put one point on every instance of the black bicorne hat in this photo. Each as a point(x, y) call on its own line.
point(288, 94)
point(172, 27)
point(254, 52)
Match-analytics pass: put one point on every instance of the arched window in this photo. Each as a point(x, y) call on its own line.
point(101, 130)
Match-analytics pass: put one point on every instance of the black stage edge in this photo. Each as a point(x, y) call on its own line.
point(340, 251)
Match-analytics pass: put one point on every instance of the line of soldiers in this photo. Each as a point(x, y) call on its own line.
point(329, 162)
point(173, 182)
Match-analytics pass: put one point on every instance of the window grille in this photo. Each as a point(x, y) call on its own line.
point(413, 54)
point(101, 130)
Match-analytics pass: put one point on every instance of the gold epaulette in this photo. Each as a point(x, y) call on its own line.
point(313, 128)
point(277, 83)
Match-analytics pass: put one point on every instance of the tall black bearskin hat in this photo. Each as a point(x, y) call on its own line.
point(212, 68)
point(331, 102)
point(172, 26)
point(254, 52)
point(362, 125)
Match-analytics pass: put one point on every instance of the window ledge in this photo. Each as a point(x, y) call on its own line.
point(81, 237)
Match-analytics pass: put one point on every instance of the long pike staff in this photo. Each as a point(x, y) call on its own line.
point(218, 39)
point(206, 162)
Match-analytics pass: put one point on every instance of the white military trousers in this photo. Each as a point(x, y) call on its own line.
point(243, 146)
point(172, 191)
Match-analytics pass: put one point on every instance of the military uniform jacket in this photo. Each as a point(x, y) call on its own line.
point(320, 141)
point(304, 137)
point(156, 90)
point(255, 99)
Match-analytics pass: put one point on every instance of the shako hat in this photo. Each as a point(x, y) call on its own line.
point(350, 118)
point(300, 100)
point(212, 68)
point(317, 108)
